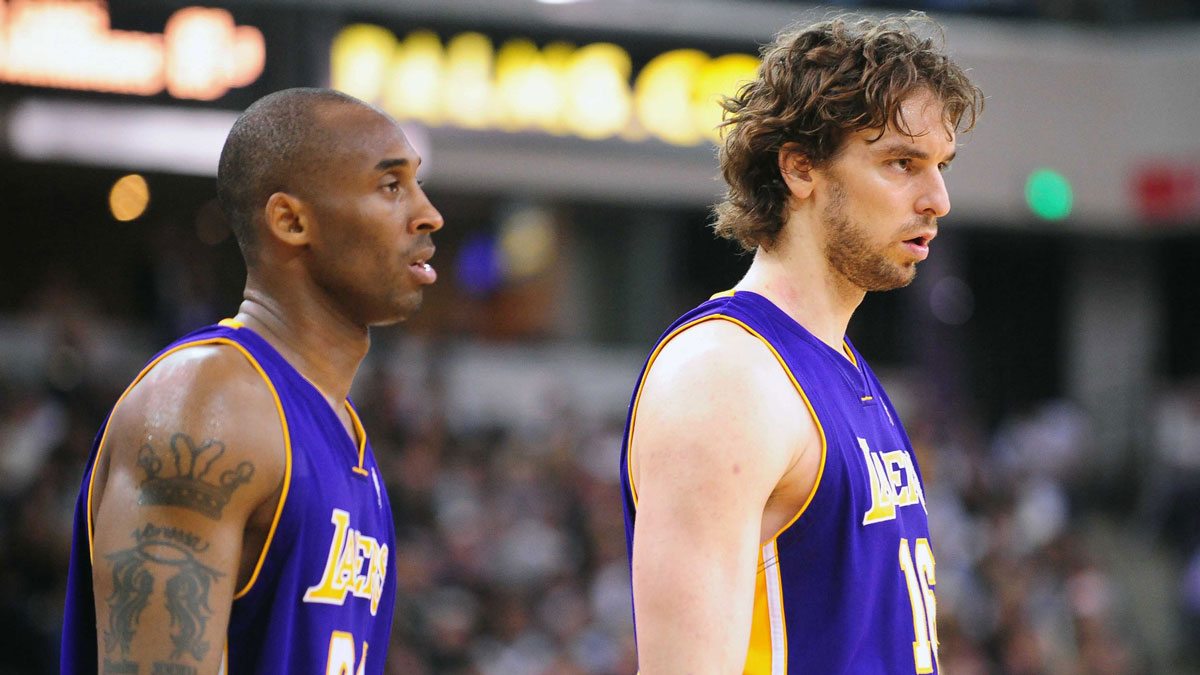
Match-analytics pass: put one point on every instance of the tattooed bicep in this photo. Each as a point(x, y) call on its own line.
point(200, 432)
point(160, 576)
point(165, 555)
point(182, 474)
point(192, 456)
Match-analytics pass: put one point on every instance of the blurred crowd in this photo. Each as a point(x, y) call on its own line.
point(510, 546)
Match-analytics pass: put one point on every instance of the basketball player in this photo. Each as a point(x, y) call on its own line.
point(774, 508)
point(232, 517)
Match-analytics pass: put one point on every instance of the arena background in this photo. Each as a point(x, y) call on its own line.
point(1045, 361)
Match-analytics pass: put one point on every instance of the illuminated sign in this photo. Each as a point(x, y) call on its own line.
point(69, 44)
point(559, 89)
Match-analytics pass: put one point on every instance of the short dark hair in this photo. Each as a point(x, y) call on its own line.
point(816, 85)
point(272, 144)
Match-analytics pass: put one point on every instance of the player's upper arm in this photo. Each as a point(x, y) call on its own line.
point(717, 427)
point(192, 453)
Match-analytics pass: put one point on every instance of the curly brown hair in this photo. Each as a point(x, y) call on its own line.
point(816, 85)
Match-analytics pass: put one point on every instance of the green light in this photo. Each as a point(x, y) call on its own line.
point(1049, 194)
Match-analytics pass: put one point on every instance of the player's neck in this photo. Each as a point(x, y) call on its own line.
point(322, 344)
point(800, 282)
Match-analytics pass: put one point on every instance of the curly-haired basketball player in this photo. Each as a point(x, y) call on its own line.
point(774, 507)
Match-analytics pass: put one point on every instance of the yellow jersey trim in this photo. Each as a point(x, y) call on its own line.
point(361, 438)
point(723, 294)
point(849, 352)
point(762, 650)
point(758, 655)
point(778, 357)
point(136, 380)
point(360, 434)
point(637, 399)
point(287, 449)
point(768, 650)
point(778, 598)
point(287, 472)
point(287, 446)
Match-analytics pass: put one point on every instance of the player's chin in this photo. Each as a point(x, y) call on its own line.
point(899, 276)
point(400, 309)
point(905, 275)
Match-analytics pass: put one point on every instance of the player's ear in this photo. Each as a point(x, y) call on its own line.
point(287, 219)
point(796, 170)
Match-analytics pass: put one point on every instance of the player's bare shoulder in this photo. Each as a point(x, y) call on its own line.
point(717, 352)
point(717, 383)
point(199, 431)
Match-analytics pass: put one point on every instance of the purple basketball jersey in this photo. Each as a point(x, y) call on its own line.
point(848, 585)
point(320, 599)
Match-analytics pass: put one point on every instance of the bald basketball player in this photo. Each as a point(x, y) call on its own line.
point(232, 517)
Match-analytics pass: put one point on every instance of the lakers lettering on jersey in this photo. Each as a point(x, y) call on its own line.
point(350, 551)
point(893, 481)
point(848, 585)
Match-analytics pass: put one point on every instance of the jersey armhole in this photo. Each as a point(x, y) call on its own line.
point(791, 377)
point(287, 447)
point(287, 471)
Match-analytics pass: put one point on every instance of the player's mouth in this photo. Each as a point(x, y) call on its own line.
point(918, 246)
point(421, 268)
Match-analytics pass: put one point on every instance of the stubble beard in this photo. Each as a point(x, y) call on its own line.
point(849, 252)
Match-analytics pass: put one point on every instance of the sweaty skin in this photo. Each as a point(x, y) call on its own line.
point(167, 559)
point(190, 473)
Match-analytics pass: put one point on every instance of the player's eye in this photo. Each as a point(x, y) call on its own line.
point(944, 167)
point(392, 186)
point(901, 163)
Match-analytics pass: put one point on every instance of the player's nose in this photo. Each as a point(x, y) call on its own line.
point(935, 199)
point(426, 218)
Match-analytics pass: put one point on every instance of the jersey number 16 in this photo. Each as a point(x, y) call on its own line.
point(918, 574)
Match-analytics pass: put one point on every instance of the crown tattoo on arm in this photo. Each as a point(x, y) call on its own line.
point(188, 486)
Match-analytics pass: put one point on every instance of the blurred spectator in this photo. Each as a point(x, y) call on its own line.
point(1170, 504)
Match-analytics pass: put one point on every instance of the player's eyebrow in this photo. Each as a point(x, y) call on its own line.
point(901, 149)
point(386, 164)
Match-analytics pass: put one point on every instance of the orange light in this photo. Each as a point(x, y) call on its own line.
point(206, 53)
point(69, 44)
point(128, 198)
